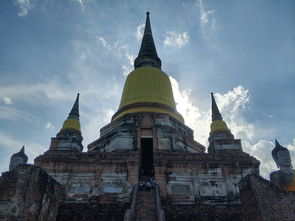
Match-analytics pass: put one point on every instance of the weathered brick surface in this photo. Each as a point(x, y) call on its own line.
point(86, 175)
point(263, 201)
point(222, 169)
point(146, 206)
point(29, 193)
point(194, 185)
point(92, 211)
point(200, 212)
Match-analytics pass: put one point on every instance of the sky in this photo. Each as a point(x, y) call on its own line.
point(241, 50)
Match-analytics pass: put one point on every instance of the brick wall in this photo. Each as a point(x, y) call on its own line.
point(199, 212)
point(29, 193)
point(92, 211)
point(263, 201)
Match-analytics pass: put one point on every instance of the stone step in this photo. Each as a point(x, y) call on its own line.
point(146, 206)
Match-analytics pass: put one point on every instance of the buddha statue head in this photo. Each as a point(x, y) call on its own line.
point(18, 158)
point(281, 156)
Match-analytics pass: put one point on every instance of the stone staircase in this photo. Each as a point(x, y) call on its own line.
point(145, 209)
point(145, 205)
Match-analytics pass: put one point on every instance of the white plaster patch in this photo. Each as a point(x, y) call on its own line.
point(227, 147)
point(164, 143)
point(163, 122)
point(180, 184)
point(213, 188)
point(111, 189)
point(232, 183)
point(211, 183)
point(180, 189)
point(120, 143)
point(75, 183)
point(113, 182)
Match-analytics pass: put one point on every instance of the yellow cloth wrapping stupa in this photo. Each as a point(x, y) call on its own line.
point(148, 89)
point(218, 125)
point(73, 124)
point(147, 84)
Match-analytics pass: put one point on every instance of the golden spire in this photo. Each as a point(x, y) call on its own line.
point(217, 123)
point(147, 88)
point(73, 122)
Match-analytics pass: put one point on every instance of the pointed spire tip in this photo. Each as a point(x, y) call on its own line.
point(215, 111)
point(147, 56)
point(277, 143)
point(75, 109)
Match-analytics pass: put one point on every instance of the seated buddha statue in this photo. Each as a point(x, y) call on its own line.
point(285, 176)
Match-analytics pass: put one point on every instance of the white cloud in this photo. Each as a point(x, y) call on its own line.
point(7, 100)
point(10, 113)
point(130, 58)
point(291, 147)
point(126, 70)
point(49, 126)
point(36, 92)
point(174, 39)
point(116, 46)
point(208, 23)
point(206, 16)
point(139, 31)
point(82, 3)
point(83, 56)
point(197, 120)
point(103, 42)
point(262, 151)
point(24, 6)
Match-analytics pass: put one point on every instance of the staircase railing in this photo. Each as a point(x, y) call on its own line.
point(160, 211)
point(129, 213)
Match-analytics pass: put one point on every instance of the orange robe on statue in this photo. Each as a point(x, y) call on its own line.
point(291, 186)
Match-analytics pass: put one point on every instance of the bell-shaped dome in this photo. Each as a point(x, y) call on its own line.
point(147, 89)
point(147, 84)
